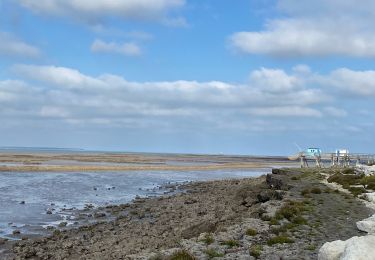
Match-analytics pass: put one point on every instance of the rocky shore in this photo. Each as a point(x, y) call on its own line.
point(289, 214)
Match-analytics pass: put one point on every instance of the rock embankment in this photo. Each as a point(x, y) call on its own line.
point(360, 182)
point(285, 215)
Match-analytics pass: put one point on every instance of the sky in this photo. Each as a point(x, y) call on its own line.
point(258, 77)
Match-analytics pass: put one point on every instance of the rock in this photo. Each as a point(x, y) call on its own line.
point(63, 224)
point(370, 197)
point(49, 212)
point(16, 232)
point(267, 195)
point(359, 248)
point(22, 202)
point(264, 196)
point(278, 171)
point(276, 182)
point(367, 225)
point(99, 215)
point(331, 250)
point(355, 248)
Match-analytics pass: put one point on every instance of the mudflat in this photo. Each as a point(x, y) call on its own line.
point(285, 215)
point(86, 161)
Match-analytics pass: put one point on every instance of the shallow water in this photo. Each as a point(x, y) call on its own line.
point(43, 191)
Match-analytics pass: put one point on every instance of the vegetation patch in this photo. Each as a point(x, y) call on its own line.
point(311, 247)
point(290, 210)
point(348, 181)
point(299, 220)
point(256, 250)
point(251, 232)
point(211, 253)
point(208, 239)
point(316, 190)
point(348, 171)
point(356, 191)
point(305, 192)
point(182, 255)
point(231, 243)
point(279, 240)
point(274, 222)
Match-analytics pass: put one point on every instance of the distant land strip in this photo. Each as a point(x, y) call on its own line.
point(88, 168)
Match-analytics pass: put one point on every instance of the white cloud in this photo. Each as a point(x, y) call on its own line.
point(361, 83)
point(11, 46)
point(69, 95)
point(127, 48)
point(57, 76)
point(93, 10)
point(274, 80)
point(315, 28)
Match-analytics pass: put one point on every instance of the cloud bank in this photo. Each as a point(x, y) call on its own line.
point(94, 10)
point(60, 93)
point(314, 28)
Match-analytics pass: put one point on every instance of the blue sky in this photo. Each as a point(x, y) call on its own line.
point(253, 77)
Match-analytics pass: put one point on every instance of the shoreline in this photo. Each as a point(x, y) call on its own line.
point(224, 210)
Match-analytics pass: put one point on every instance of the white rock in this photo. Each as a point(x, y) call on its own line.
point(367, 225)
point(367, 170)
point(355, 248)
point(359, 248)
point(332, 250)
point(370, 197)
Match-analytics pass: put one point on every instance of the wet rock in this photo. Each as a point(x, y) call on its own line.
point(99, 215)
point(22, 202)
point(16, 232)
point(63, 224)
point(49, 212)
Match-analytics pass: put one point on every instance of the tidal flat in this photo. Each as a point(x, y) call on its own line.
point(289, 214)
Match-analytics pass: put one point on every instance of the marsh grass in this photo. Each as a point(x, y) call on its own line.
point(231, 243)
point(283, 239)
point(182, 255)
point(251, 232)
point(211, 253)
point(256, 250)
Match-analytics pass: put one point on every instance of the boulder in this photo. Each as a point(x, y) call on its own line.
point(355, 248)
point(332, 250)
point(367, 225)
point(359, 248)
point(370, 197)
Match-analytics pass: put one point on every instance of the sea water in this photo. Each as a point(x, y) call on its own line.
point(25, 198)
